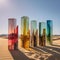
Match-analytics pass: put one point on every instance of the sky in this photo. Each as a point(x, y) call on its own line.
point(39, 10)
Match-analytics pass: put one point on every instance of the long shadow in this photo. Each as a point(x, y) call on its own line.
point(53, 48)
point(56, 45)
point(54, 56)
point(47, 50)
point(56, 39)
point(18, 55)
point(39, 50)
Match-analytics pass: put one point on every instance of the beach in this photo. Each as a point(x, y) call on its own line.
point(37, 53)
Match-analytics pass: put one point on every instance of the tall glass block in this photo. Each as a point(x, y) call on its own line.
point(33, 33)
point(42, 33)
point(12, 34)
point(49, 31)
point(25, 32)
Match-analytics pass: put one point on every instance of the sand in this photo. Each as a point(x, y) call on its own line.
point(38, 53)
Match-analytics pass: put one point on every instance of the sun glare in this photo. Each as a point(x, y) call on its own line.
point(3, 2)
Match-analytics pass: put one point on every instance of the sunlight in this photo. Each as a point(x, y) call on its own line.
point(3, 2)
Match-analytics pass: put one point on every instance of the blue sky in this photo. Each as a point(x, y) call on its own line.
point(40, 10)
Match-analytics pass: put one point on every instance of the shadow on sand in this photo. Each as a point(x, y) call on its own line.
point(55, 45)
point(18, 55)
point(52, 50)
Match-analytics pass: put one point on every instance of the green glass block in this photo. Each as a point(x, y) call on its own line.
point(42, 33)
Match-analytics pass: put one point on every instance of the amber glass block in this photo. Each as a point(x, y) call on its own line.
point(24, 32)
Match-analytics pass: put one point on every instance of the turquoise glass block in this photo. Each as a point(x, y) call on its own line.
point(49, 31)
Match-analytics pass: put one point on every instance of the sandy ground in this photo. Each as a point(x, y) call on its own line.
point(38, 53)
point(4, 53)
